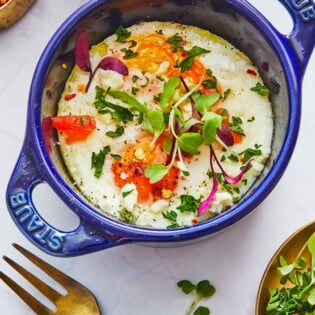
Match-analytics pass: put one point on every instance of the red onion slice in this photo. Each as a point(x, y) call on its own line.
point(81, 53)
point(204, 205)
point(225, 135)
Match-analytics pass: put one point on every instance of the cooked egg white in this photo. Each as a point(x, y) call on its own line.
point(228, 65)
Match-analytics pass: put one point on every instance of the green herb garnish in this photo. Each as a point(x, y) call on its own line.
point(260, 89)
point(210, 83)
point(154, 123)
point(299, 296)
point(168, 91)
point(122, 34)
point(235, 125)
point(251, 152)
point(126, 193)
point(189, 203)
point(126, 216)
point(117, 112)
point(170, 215)
point(98, 160)
point(117, 133)
point(128, 53)
point(155, 172)
point(203, 289)
point(176, 41)
point(187, 63)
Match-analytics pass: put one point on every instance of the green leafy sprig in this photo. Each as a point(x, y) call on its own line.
point(297, 295)
point(203, 289)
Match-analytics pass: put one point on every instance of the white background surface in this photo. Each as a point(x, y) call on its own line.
point(139, 280)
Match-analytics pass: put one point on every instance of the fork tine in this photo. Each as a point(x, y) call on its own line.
point(54, 273)
point(34, 304)
point(48, 291)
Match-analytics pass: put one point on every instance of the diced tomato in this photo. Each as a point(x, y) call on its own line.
point(130, 169)
point(76, 128)
point(237, 137)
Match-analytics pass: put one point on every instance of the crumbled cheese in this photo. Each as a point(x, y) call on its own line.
point(130, 200)
point(257, 167)
point(221, 202)
point(123, 175)
point(159, 206)
point(109, 78)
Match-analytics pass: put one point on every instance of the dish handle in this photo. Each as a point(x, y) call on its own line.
point(84, 239)
point(302, 37)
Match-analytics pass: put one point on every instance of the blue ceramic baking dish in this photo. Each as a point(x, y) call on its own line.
point(281, 60)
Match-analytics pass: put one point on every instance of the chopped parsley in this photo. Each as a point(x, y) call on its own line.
point(117, 112)
point(235, 125)
point(126, 193)
point(126, 216)
point(176, 41)
point(260, 89)
point(122, 34)
point(98, 160)
point(187, 63)
point(129, 54)
point(226, 93)
point(251, 152)
point(234, 158)
point(210, 83)
point(116, 133)
point(170, 215)
point(189, 203)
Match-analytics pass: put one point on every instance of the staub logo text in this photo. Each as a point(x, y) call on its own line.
point(305, 8)
point(33, 224)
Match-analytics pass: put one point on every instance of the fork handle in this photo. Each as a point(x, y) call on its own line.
point(26, 175)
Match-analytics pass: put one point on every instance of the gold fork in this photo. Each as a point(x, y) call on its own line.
point(78, 299)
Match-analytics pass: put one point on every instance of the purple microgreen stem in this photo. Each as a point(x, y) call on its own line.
point(231, 180)
point(109, 63)
point(204, 205)
point(194, 114)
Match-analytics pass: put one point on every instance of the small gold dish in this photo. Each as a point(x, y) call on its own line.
point(12, 10)
point(294, 246)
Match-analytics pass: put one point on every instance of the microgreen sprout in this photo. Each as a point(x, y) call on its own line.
point(203, 289)
point(297, 295)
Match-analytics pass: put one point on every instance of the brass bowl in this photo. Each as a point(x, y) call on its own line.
point(290, 249)
point(12, 11)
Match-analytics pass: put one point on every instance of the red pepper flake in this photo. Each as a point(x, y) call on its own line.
point(194, 221)
point(69, 97)
point(251, 72)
